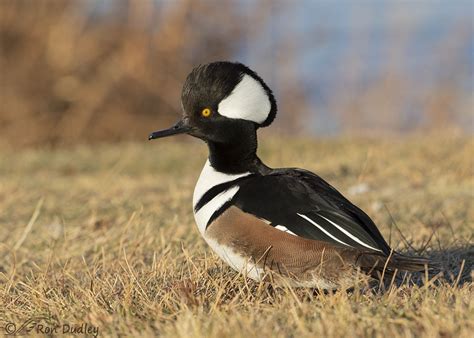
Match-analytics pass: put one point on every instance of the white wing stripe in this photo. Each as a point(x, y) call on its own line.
point(322, 229)
point(285, 229)
point(349, 234)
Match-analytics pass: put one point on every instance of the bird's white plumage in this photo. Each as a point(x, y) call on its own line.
point(350, 235)
point(248, 101)
point(210, 178)
point(235, 261)
point(205, 213)
point(285, 229)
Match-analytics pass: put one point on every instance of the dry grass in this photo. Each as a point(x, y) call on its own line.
point(105, 235)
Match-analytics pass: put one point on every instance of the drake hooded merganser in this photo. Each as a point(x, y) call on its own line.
point(287, 222)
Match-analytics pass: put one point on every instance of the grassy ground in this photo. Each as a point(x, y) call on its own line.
point(104, 235)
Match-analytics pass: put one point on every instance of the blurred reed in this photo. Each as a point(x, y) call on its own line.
point(85, 71)
point(69, 74)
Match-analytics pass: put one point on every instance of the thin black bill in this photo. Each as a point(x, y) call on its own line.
point(179, 128)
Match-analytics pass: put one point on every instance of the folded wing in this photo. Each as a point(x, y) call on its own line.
point(307, 206)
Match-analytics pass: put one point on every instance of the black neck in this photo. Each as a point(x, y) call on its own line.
point(236, 157)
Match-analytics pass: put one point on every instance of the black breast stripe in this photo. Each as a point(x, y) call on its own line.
point(216, 190)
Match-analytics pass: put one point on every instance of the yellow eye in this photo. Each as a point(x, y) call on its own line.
point(206, 112)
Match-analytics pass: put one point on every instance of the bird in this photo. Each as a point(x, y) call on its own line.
point(284, 225)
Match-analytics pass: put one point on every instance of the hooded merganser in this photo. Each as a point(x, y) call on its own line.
point(263, 221)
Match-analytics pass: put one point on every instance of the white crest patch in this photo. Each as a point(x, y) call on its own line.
point(248, 101)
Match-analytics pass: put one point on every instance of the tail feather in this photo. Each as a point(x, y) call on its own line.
point(376, 264)
point(407, 263)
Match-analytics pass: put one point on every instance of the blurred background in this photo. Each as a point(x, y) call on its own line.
point(109, 70)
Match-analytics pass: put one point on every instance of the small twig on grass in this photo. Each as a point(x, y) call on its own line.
point(449, 225)
point(428, 241)
point(30, 224)
point(459, 274)
point(385, 266)
point(396, 227)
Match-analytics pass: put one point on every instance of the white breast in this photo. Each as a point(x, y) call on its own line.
point(205, 213)
point(208, 179)
point(236, 261)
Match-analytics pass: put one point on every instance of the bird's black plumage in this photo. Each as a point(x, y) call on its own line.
point(282, 195)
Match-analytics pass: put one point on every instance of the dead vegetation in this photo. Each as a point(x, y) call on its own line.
point(71, 72)
point(86, 71)
point(105, 235)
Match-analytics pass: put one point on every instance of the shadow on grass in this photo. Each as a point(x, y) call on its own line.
point(452, 266)
point(455, 264)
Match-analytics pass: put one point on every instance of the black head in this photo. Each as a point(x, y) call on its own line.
point(223, 102)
